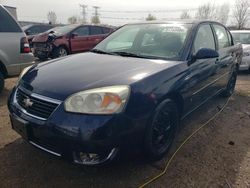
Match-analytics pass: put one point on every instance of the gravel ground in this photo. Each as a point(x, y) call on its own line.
point(217, 156)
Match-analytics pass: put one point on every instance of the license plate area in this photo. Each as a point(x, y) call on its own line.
point(20, 126)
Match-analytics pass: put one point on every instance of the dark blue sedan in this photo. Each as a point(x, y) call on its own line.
point(132, 89)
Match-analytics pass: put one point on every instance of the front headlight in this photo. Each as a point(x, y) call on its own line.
point(106, 100)
point(26, 69)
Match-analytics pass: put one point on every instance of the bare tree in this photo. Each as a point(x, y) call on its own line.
point(95, 20)
point(205, 11)
point(150, 17)
point(72, 20)
point(185, 15)
point(222, 12)
point(52, 17)
point(241, 13)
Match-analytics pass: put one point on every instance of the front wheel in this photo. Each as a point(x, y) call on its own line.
point(161, 130)
point(59, 52)
point(230, 85)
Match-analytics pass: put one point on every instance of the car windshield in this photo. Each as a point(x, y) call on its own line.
point(160, 41)
point(243, 38)
point(62, 30)
point(26, 27)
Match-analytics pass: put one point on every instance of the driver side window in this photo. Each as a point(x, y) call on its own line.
point(204, 38)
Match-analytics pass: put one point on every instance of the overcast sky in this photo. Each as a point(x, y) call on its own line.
point(36, 10)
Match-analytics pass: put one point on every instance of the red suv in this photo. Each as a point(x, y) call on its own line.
point(61, 41)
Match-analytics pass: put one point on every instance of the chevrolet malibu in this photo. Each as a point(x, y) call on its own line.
point(132, 89)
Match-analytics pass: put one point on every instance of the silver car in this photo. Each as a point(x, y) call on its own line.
point(15, 52)
point(243, 37)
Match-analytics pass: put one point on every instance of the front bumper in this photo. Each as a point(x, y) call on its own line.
point(42, 49)
point(75, 136)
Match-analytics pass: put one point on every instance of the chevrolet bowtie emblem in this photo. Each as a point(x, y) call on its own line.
point(27, 102)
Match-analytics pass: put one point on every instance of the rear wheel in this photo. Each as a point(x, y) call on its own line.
point(1, 82)
point(59, 52)
point(161, 130)
point(230, 85)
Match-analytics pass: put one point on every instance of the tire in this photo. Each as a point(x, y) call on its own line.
point(59, 52)
point(230, 85)
point(1, 82)
point(161, 130)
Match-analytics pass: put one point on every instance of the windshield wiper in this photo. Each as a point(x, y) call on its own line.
point(129, 54)
point(101, 51)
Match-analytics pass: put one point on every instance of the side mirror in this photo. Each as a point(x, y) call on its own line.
point(205, 53)
point(73, 35)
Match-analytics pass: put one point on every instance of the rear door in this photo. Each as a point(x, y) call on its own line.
point(80, 42)
point(227, 55)
point(96, 35)
point(10, 38)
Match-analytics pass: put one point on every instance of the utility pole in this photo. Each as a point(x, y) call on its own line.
point(95, 19)
point(96, 10)
point(84, 13)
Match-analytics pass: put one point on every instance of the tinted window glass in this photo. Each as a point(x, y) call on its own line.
point(221, 36)
point(44, 28)
point(82, 31)
point(7, 23)
point(105, 30)
point(94, 30)
point(204, 38)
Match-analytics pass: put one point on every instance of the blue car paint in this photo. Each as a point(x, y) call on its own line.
point(188, 83)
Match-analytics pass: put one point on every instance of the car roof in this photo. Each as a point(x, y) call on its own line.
point(177, 21)
point(240, 31)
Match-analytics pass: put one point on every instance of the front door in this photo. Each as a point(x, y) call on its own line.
point(79, 39)
point(201, 73)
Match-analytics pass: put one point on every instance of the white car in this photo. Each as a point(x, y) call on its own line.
point(243, 37)
point(15, 52)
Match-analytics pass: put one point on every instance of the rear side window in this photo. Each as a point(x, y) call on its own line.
point(222, 36)
point(229, 38)
point(105, 30)
point(82, 31)
point(204, 38)
point(7, 23)
point(94, 30)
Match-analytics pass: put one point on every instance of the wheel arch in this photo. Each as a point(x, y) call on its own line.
point(177, 98)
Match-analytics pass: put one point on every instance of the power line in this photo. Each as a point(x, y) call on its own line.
point(147, 11)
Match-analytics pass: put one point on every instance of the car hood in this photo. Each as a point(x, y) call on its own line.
point(43, 37)
point(63, 77)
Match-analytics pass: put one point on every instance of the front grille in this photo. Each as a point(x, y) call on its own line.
point(36, 107)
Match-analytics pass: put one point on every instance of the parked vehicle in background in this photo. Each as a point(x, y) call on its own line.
point(61, 41)
point(132, 89)
point(14, 47)
point(34, 29)
point(243, 37)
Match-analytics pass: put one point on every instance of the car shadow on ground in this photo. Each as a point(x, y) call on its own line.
point(212, 158)
point(4, 96)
